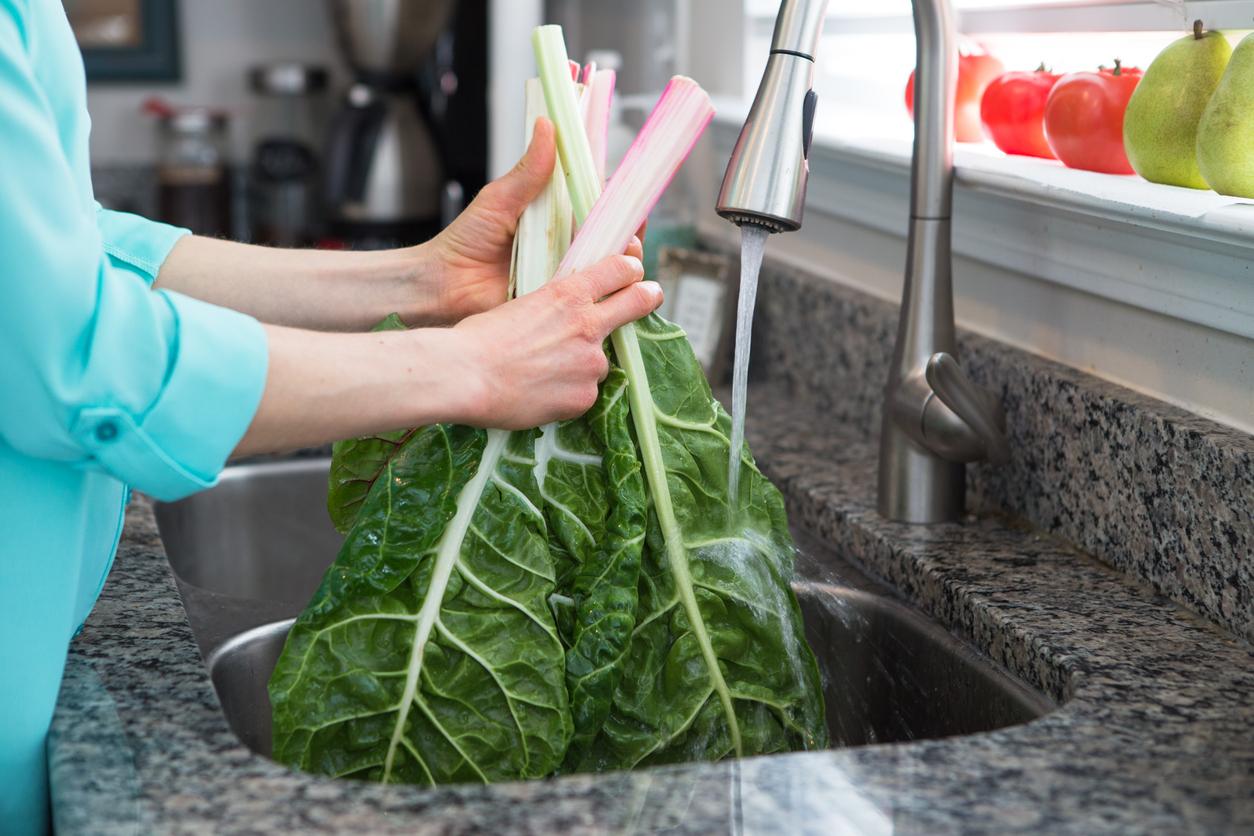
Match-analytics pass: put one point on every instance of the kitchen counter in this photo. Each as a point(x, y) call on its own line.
point(1155, 733)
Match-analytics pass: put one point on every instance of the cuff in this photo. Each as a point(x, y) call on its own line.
point(212, 391)
point(135, 242)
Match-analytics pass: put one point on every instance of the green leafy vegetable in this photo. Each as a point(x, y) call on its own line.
point(572, 487)
point(429, 654)
point(604, 589)
point(578, 597)
point(718, 663)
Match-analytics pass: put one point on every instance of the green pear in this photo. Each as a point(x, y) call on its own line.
point(1161, 125)
point(1225, 137)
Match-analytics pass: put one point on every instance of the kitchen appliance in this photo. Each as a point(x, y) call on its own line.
point(284, 181)
point(396, 166)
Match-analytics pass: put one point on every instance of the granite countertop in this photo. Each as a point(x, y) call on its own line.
point(1155, 733)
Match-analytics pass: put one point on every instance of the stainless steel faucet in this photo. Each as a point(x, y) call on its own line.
point(935, 419)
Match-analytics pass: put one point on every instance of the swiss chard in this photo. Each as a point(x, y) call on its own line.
point(511, 605)
point(718, 663)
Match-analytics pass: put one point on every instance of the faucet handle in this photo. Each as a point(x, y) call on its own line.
point(979, 410)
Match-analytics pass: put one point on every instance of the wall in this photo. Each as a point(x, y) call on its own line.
point(221, 39)
point(512, 60)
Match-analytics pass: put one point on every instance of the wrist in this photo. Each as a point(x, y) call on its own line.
point(430, 280)
point(409, 285)
point(461, 392)
point(435, 275)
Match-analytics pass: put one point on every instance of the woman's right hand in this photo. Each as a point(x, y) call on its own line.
point(540, 358)
point(521, 365)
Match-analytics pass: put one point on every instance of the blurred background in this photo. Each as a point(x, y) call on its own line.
point(368, 123)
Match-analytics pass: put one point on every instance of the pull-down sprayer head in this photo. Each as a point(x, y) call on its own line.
point(765, 184)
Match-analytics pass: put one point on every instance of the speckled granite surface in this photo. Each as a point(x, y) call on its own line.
point(1149, 488)
point(1156, 735)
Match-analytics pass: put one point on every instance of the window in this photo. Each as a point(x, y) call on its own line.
point(1144, 284)
point(867, 51)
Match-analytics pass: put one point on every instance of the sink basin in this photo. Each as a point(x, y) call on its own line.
point(249, 553)
point(263, 533)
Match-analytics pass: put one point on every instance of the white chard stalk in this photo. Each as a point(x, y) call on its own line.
point(547, 226)
point(561, 96)
point(544, 234)
point(598, 96)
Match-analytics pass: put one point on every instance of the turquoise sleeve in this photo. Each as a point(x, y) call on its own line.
point(99, 371)
point(136, 244)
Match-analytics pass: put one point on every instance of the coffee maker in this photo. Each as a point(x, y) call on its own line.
point(397, 165)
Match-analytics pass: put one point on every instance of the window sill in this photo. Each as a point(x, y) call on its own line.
point(1181, 253)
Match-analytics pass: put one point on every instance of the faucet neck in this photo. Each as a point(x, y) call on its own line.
point(797, 31)
point(798, 27)
point(935, 93)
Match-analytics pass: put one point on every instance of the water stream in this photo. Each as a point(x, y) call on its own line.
point(752, 248)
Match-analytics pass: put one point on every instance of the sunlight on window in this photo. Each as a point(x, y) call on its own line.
point(862, 71)
point(893, 8)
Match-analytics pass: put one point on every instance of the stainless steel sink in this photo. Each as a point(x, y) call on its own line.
point(249, 553)
point(263, 533)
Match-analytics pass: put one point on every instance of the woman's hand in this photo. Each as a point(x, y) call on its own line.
point(467, 265)
point(539, 358)
point(469, 262)
point(462, 272)
point(526, 363)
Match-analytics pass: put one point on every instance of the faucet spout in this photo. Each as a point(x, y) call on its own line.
point(766, 179)
point(934, 418)
point(769, 169)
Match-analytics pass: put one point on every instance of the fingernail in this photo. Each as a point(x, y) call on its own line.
point(633, 264)
point(654, 289)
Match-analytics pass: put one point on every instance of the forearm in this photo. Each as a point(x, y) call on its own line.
point(311, 289)
point(322, 388)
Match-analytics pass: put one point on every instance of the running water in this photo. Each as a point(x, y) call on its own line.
point(752, 246)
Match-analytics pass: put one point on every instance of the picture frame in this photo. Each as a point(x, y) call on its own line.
point(702, 291)
point(127, 40)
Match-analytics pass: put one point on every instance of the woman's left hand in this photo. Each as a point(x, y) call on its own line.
point(470, 260)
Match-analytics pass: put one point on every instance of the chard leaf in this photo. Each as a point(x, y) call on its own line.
point(718, 664)
point(604, 589)
point(429, 654)
point(594, 501)
point(572, 486)
point(357, 462)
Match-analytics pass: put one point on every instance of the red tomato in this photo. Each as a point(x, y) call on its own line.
point(976, 69)
point(1084, 119)
point(1013, 112)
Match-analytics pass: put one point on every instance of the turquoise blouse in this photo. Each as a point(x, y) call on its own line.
point(104, 383)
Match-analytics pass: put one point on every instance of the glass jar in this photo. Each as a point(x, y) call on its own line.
point(193, 170)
